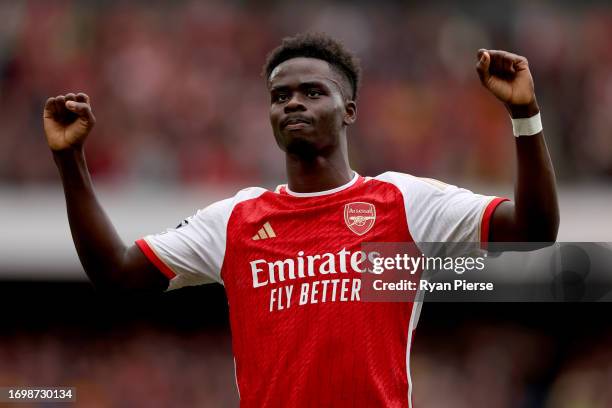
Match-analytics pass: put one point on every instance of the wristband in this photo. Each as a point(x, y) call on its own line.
point(527, 126)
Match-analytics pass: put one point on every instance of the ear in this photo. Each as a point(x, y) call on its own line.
point(350, 113)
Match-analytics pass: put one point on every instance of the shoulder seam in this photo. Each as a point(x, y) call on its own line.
point(399, 191)
point(235, 203)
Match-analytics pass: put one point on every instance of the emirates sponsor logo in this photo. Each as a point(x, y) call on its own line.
point(359, 217)
point(344, 261)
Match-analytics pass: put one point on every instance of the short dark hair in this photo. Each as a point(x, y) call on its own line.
point(320, 46)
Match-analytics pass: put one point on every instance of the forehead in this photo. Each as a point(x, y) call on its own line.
point(300, 70)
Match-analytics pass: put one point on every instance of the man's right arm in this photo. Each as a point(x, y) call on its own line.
point(108, 262)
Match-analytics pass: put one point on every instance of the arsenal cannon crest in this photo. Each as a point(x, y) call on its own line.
point(359, 217)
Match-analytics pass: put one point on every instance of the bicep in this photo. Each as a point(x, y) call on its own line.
point(504, 227)
point(139, 273)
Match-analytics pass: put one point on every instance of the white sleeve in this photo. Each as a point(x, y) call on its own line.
point(439, 212)
point(193, 253)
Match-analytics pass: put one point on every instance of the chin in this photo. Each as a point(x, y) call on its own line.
point(302, 147)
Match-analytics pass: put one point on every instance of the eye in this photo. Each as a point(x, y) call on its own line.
point(280, 97)
point(314, 93)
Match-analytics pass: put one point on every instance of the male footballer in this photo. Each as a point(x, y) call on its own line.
point(290, 259)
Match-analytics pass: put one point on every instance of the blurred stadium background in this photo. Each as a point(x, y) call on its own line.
point(182, 121)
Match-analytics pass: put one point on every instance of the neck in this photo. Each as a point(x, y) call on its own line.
point(320, 172)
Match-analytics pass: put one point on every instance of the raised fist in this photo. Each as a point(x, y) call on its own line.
point(506, 76)
point(67, 121)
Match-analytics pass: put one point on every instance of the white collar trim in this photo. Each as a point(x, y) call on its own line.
point(326, 192)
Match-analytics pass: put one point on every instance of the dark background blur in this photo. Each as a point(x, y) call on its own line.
point(182, 121)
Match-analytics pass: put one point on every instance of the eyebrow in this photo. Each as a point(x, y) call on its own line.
point(302, 85)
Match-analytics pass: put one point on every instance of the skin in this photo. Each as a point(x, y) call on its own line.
point(533, 216)
point(316, 152)
point(108, 262)
point(310, 111)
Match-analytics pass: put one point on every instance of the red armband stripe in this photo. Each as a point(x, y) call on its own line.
point(154, 259)
point(486, 218)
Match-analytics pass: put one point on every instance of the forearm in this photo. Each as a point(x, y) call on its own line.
point(535, 192)
point(67, 120)
point(98, 245)
point(534, 214)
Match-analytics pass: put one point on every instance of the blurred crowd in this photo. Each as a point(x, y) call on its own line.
point(510, 366)
point(482, 366)
point(178, 96)
point(135, 367)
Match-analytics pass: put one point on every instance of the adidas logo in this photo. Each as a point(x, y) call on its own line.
point(265, 232)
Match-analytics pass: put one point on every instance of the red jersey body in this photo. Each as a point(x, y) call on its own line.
point(291, 266)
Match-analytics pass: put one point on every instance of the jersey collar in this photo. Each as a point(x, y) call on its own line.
point(284, 189)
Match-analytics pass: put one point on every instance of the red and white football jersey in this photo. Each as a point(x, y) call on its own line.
point(290, 264)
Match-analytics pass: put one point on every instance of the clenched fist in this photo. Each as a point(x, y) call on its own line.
point(507, 76)
point(67, 120)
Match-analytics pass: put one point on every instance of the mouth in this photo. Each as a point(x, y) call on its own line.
point(295, 123)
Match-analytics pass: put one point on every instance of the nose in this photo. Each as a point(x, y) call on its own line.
point(295, 104)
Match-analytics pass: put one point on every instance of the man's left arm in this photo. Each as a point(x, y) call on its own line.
point(534, 214)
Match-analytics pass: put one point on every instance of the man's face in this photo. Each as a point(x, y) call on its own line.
point(308, 108)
